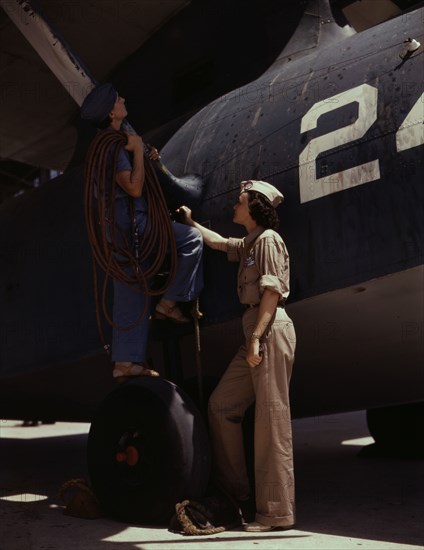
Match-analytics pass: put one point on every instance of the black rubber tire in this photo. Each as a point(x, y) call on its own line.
point(398, 428)
point(191, 388)
point(162, 423)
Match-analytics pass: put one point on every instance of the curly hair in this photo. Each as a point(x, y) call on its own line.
point(262, 211)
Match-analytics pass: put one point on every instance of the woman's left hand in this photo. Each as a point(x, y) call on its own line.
point(253, 357)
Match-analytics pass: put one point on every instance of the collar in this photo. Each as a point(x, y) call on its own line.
point(253, 235)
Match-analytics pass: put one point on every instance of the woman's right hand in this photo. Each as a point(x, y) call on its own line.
point(253, 356)
point(185, 213)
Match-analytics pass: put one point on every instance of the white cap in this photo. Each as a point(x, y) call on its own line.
point(269, 191)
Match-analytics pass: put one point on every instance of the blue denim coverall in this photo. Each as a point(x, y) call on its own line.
point(131, 345)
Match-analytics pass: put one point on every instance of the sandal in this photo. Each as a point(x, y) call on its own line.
point(124, 371)
point(163, 311)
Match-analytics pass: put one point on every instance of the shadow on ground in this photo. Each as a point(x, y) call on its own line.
point(338, 493)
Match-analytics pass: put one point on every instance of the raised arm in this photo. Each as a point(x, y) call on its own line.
point(212, 239)
point(132, 181)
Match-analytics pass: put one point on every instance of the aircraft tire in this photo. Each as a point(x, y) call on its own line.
point(191, 388)
point(398, 429)
point(147, 450)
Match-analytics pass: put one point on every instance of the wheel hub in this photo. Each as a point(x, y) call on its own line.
point(130, 455)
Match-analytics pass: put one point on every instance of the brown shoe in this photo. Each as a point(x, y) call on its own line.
point(256, 527)
point(173, 313)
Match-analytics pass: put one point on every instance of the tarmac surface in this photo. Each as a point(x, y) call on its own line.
point(344, 500)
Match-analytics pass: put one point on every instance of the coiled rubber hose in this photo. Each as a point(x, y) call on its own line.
point(132, 260)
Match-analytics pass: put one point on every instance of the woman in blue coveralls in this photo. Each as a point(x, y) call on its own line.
point(105, 109)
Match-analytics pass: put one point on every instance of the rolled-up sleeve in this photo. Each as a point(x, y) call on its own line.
point(234, 249)
point(124, 163)
point(271, 283)
point(272, 259)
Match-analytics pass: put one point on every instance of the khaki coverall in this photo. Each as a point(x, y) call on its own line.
point(264, 263)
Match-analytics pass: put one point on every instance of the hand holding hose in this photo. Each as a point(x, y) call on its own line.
point(184, 215)
point(154, 153)
point(135, 143)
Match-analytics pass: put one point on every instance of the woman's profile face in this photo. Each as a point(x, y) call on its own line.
point(241, 210)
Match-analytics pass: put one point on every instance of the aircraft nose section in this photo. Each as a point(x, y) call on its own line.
point(188, 189)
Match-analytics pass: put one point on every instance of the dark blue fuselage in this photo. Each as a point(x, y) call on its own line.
point(339, 131)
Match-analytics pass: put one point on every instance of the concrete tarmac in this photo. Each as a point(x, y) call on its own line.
point(343, 501)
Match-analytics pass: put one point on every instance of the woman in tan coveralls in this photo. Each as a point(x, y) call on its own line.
point(262, 367)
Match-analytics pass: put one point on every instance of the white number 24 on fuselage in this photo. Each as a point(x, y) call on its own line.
point(410, 134)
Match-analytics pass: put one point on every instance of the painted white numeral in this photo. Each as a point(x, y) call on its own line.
point(411, 132)
point(311, 187)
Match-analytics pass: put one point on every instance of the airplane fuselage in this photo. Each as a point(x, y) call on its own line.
point(339, 131)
